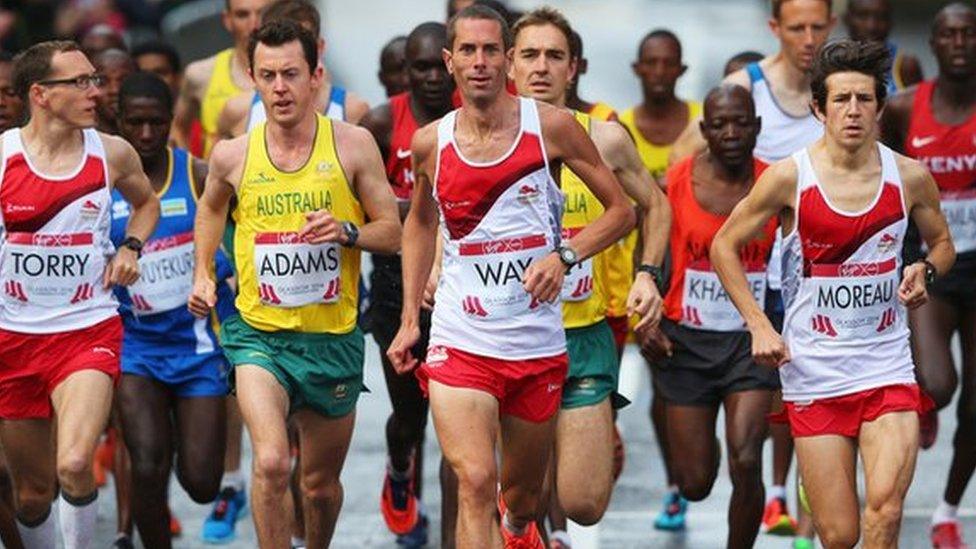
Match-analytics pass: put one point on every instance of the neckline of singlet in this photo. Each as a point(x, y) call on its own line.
point(826, 198)
point(506, 155)
point(85, 153)
point(757, 74)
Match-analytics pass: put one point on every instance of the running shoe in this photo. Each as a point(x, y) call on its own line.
point(672, 517)
point(122, 541)
point(947, 535)
point(928, 428)
point(803, 543)
point(399, 504)
point(530, 538)
point(417, 537)
point(219, 526)
point(777, 520)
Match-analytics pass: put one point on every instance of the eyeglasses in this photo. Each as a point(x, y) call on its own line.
point(82, 82)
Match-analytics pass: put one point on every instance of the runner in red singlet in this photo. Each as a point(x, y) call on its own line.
point(497, 356)
point(846, 367)
point(935, 123)
point(59, 327)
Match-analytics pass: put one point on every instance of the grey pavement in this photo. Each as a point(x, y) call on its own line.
point(627, 524)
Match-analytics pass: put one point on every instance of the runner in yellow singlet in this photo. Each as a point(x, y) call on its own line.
point(585, 434)
point(209, 83)
point(305, 186)
point(655, 124)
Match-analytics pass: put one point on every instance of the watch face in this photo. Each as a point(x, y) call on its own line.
point(567, 255)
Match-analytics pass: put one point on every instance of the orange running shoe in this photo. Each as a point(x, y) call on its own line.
point(947, 535)
point(776, 520)
point(399, 504)
point(530, 538)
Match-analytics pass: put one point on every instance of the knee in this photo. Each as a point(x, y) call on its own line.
point(74, 467)
point(327, 494)
point(882, 512)
point(201, 485)
point(745, 466)
point(586, 513)
point(33, 500)
point(476, 482)
point(696, 486)
point(273, 470)
point(838, 536)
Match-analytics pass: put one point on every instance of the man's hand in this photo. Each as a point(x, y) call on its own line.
point(123, 269)
point(544, 278)
point(654, 345)
point(645, 301)
point(320, 228)
point(400, 353)
point(912, 292)
point(768, 347)
point(203, 297)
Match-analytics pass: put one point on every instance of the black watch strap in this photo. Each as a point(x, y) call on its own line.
point(656, 273)
point(352, 233)
point(133, 244)
point(930, 272)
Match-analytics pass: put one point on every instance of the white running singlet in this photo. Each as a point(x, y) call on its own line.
point(54, 241)
point(844, 326)
point(496, 218)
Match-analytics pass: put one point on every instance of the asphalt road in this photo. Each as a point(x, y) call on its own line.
point(628, 523)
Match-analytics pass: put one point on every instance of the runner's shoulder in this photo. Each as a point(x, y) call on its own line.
point(424, 142)
point(197, 73)
point(780, 178)
point(612, 140)
point(912, 171)
point(356, 107)
point(379, 120)
point(228, 154)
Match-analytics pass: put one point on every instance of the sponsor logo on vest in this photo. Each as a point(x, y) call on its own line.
point(887, 243)
point(402, 154)
point(261, 177)
point(341, 391)
point(919, 142)
point(90, 209)
point(323, 167)
point(528, 193)
point(887, 319)
point(822, 324)
point(14, 208)
point(436, 355)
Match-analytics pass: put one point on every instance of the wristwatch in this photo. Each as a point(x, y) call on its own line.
point(656, 273)
point(352, 233)
point(567, 255)
point(930, 272)
point(133, 244)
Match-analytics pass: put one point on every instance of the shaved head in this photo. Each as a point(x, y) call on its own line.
point(953, 9)
point(732, 94)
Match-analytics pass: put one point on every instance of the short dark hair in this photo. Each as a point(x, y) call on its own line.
point(433, 29)
point(145, 84)
point(546, 16)
point(659, 33)
point(953, 8)
point(868, 58)
point(34, 64)
point(281, 32)
point(576, 45)
point(777, 7)
point(158, 47)
point(299, 11)
point(478, 11)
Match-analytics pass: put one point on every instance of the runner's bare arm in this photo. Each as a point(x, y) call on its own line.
point(128, 177)
point(895, 118)
point(418, 251)
point(356, 108)
point(567, 141)
point(188, 103)
point(360, 157)
point(233, 117)
point(131, 181)
point(224, 171)
point(199, 171)
point(772, 194)
point(620, 154)
point(922, 203)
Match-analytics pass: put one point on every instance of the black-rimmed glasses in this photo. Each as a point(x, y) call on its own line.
point(82, 82)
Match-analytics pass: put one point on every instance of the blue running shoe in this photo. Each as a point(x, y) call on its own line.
point(416, 537)
point(672, 517)
point(219, 526)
